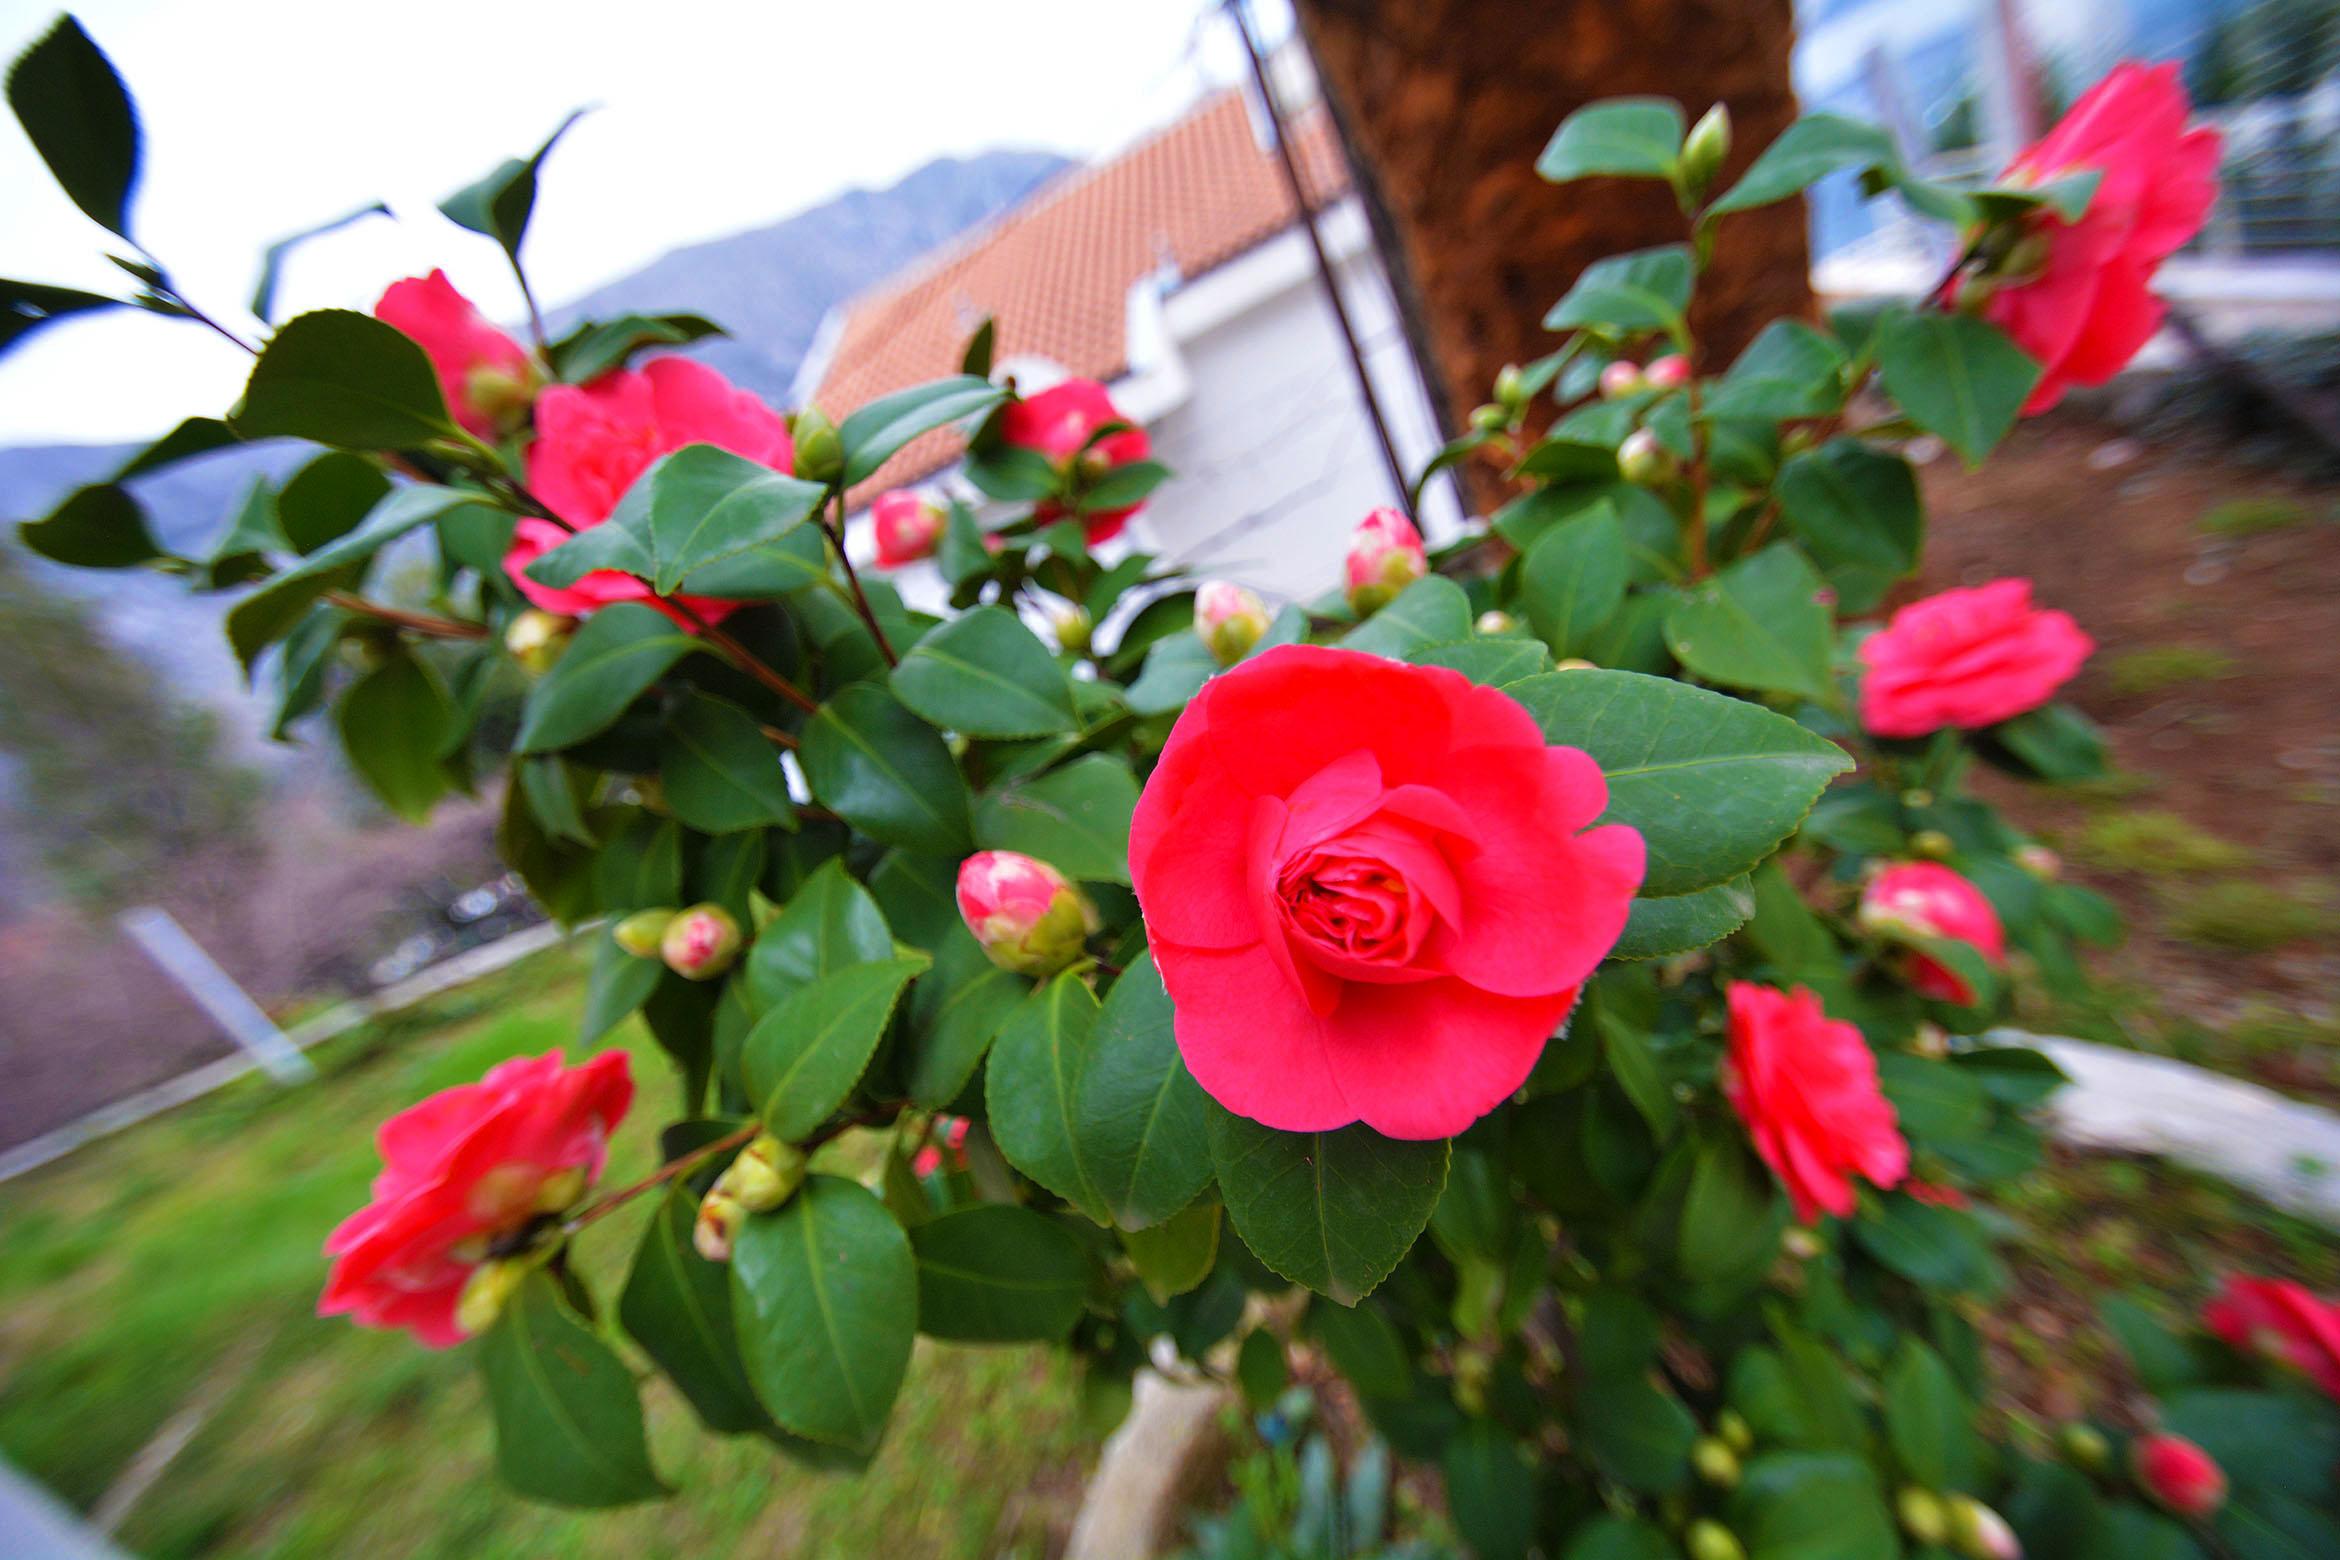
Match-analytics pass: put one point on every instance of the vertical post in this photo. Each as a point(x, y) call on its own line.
point(1324, 268)
point(166, 942)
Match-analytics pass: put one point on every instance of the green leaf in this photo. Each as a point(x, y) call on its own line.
point(1935, 1248)
point(27, 306)
point(1176, 668)
point(79, 117)
point(985, 674)
point(1430, 611)
point(1646, 290)
point(500, 205)
point(619, 985)
point(828, 925)
point(597, 346)
point(804, 1057)
point(696, 508)
point(640, 867)
point(1637, 1434)
point(616, 656)
point(1933, 1101)
point(1812, 1506)
point(1856, 510)
point(825, 1298)
point(874, 433)
point(1075, 818)
point(2055, 742)
point(1489, 662)
point(1929, 1421)
point(1758, 624)
point(955, 1014)
point(1175, 1256)
point(346, 379)
point(1629, 137)
point(1661, 928)
point(568, 1420)
point(1491, 1491)
point(1130, 483)
point(1790, 370)
point(1141, 1120)
point(1956, 376)
point(97, 527)
point(884, 771)
point(766, 572)
point(1032, 1090)
point(1620, 1538)
point(392, 722)
point(1731, 1216)
point(333, 495)
point(996, 1273)
point(677, 1306)
point(1573, 578)
point(1334, 1211)
point(1809, 150)
point(1365, 1348)
point(720, 772)
point(1261, 1367)
point(273, 257)
point(1713, 783)
point(2268, 1443)
point(2160, 1358)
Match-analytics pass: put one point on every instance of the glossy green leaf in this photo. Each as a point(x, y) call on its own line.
point(1637, 1433)
point(1032, 1090)
point(1856, 510)
point(1076, 818)
point(765, 572)
point(619, 985)
point(1620, 1538)
point(1929, 1421)
point(1661, 928)
point(873, 434)
point(1807, 151)
point(1489, 662)
point(1491, 1490)
point(1334, 1211)
point(79, 117)
point(997, 1273)
point(1731, 1215)
point(500, 205)
point(26, 307)
point(1141, 1120)
point(986, 675)
point(1956, 376)
point(1812, 1506)
point(640, 866)
point(2055, 742)
point(272, 258)
point(691, 510)
point(1758, 624)
point(391, 723)
point(1633, 137)
point(1176, 667)
point(1573, 578)
point(1364, 1348)
point(616, 656)
point(825, 1300)
point(1175, 1256)
point(886, 772)
point(1262, 1369)
point(1937, 1248)
point(1713, 783)
point(1789, 370)
point(721, 773)
point(97, 527)
point(804, 1057)
point(829, 924)
point(1648, 289)
point(1430, 611)
point(568, 1419)
point(677, 1306)
point(597, 346)
point(346, 379)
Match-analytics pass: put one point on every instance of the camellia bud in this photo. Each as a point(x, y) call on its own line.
point(1923, 1515)
point(499, 395)
point(1715, 1462)
point(2040, 862)
point(1230, 620)
point(1980, 1533)
point(2085, 1447)
point(1933, 844)
point(1642, 460)
point(1028, 916)
point(1073, 627)
point(1496, 621)
point(1707, 1539)
point(700, 943)
point(2179, 1475)
point(1704, 149)
point(1490, 418)
point(484, 1293)
point(1800, 1243)
point(1385, 556)
point(1511, 386)
point(1737, 1434)
point(717, 1226)
point(1620, 379)
point(558, 1192)
point(536, 638)
point(1670, 372)
point(765, 1175)
point(643, 933)
point(819, 455)
point(1574, 664)
point(907, 527)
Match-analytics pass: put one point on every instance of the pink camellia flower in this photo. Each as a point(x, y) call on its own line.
point(1806, 1086)
point(1968, 657)
point(908, 527)
point(486, 376)
point(462, 1169)
point(2179, 1475)
point(1028, 916)
point(954, 1138)
point(2283, 1321)
point(1927, 899)
point(1385, 556)
point(1059, 423)
point(2088, 304)
point(593, 440)
point(1371, 890)
point(1230, 619)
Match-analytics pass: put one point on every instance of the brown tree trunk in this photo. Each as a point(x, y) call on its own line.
point(1443, 106)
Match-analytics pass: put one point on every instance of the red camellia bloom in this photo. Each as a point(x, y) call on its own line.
point(2283, 1321)
point(907, 526)
point(1806, 1086)
point(462, 1168)
point(486, 376)
point(1968, 657)
point(593, 440)
point(2089, 306)
point(1371, 890)
point(1059, 422)
point(1927, 899)
point(2178, 1474)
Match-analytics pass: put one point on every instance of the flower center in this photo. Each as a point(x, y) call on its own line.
point(1354, 908)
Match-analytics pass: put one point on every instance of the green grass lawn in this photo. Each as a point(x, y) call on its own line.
point(182, 1258)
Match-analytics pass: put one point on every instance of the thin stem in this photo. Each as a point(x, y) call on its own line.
point(1696, 541)
point(836, 530)
point(743, 658)
point(779, 738)
point(170, 290)
point(535, 315)
point(665, 1173)
point(418, 622)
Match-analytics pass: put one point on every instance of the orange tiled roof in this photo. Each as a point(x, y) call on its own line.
point(1056, 271)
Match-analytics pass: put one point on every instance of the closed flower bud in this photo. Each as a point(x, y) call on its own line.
point(1490, 418)
point(502, 395)
point(907, 527)
point(2179, 1475)
point(2085, 1447)
point(1703, 151)
point(1574, 664)
point(1800, 1243)
point(1933, 844)
point(1230, 620)
point(1027, 915)
point(1496, 621)
point(1620, 379)
point(1073, 627)
point(643, 933)
point(2040, 862)
point(1707, 1539)
point(558, 1192)
point(1737, 1434)
point(1670, 372)
point(1980, 1533)
point(1385, 556)
point(1511, 386)
point(700, 943)
point(765, 1175)
point(536, 638)
point(1715, 1462)
point(484, 1294)
point(720, 1217)
point(1644, 461)
point(819, 453)
point(1923, 1515)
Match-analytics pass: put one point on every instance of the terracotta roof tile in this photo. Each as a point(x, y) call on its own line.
point(1056, 271)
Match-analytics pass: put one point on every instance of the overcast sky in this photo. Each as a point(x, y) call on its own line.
point(263, 117)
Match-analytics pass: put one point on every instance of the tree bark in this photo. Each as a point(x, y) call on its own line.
point(1443, 106)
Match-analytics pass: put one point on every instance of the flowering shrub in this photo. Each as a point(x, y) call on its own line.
point(1568, 956)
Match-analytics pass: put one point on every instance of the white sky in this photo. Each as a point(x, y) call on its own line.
point(263, 117)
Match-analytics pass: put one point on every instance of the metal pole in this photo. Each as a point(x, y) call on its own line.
point(1324, 268)
point(216, 992)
